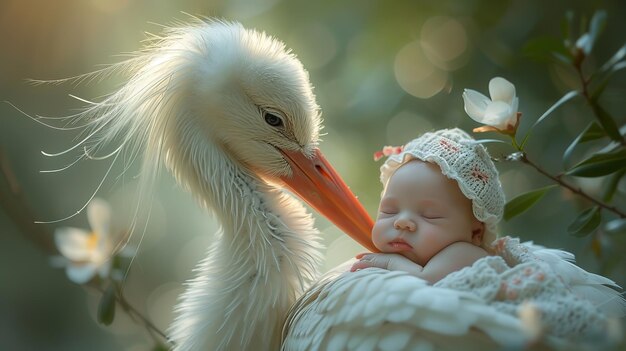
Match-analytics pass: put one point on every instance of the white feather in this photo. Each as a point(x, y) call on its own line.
point(394, 309)
point(601, 291)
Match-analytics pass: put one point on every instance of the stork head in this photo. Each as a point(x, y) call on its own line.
point(255, 97)
point(247, 94)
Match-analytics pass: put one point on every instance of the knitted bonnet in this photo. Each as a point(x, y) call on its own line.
point(462, 159)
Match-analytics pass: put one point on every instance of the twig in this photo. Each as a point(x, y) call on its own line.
point(558, 180)
point(147, 323)
point(14, 204)
point(128, 308)
point(584, 82)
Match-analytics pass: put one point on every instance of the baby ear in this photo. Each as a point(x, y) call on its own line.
point(478, 232)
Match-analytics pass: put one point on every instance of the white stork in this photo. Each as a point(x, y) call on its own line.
point(232, 114)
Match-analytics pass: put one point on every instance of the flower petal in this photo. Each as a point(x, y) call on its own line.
point(475, 104)
point(80, 273)
point(584, 43)
point(73, 243)
point(512, 120)
point(497, 114)
point(501, 89)
point(99, 216)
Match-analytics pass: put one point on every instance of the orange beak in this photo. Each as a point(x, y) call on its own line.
point(318, 184)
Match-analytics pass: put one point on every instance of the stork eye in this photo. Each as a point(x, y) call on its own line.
point(273, 120)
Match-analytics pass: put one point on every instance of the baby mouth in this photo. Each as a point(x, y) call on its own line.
point(400, 245)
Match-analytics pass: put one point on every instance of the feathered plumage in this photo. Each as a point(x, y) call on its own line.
point(601, 291)
point(375, 309)
point(195, 100)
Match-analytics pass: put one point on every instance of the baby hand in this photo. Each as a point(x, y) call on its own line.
point(389, 261)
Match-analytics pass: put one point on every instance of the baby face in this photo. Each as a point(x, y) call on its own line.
point(422, 212)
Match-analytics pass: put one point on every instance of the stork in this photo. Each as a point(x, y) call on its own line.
point(232, 115)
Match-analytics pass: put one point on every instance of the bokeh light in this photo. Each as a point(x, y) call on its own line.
point(444, 42)
point(110, 5)
point(404, 126)
point(416, 74)
point(245, 9)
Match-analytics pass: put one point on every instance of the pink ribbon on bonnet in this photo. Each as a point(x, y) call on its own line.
point(387, 151)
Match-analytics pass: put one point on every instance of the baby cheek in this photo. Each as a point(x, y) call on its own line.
point(378, 234)
point(427, 239)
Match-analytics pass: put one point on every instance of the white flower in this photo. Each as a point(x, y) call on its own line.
point(585, 43)
point(500, 111)
point(86, 254)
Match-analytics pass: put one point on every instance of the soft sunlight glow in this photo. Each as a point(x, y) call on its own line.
point(341, 249)
point(404, 126)
point(315, 44)
point(444, 41)
point(416, 74)
point(160, 300)
point(244, 9)
point(109, 6)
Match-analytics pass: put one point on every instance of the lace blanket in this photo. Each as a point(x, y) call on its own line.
point(524, 273)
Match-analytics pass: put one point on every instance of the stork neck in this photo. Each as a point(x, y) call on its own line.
point(265, 257)
point(239, 198)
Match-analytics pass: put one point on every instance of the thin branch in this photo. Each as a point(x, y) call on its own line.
point(558, 180)
point(14, 204)
point(130, 310)
point(584, 82)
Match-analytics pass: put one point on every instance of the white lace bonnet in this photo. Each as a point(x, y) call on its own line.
point(463, 160)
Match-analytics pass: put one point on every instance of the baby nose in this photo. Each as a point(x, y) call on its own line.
point(404, 223)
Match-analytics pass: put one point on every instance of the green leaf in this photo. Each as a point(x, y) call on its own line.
point(598, 22)
point(586, 222)
point(616, 226)
point(592, 132)
point(587, 41)
point(600, 89)
point(523, 202)
point(561, 101)
point(617, 57)
point(486, 141)
point(606, 121)
point(618, 66)
point(612, 185)
point(583, 24)
point(106, 308)
point(564, 58)
point(600, 165)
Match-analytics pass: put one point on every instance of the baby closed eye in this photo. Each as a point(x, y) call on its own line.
point(432, 216)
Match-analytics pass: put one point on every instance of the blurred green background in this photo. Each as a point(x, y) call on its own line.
point(384, 72)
